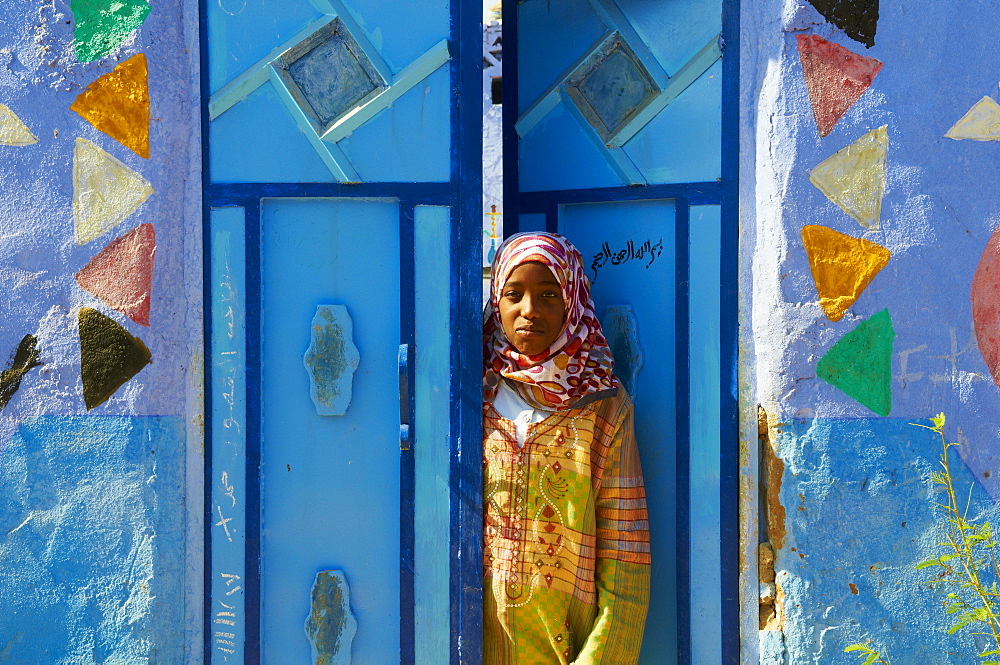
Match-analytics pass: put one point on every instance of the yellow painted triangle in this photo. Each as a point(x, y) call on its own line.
point(980, 123)
point(854, 177)
point(118, 104)
point(105, 191)
point(843, 266)
point(13, 131)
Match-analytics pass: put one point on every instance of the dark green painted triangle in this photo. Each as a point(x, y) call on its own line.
point(102, 25)
point(858, 18)
point(109, 356)
point(860, 363)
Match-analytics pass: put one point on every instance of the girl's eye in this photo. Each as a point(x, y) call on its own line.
point(513, 295)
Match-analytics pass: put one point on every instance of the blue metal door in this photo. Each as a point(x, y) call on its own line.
point(343, 272)
point(623, 119)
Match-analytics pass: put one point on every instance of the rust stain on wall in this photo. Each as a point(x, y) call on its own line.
point(772, 468)
point(771, 472)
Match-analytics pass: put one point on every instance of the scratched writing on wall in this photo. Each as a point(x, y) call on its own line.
point(226, 618)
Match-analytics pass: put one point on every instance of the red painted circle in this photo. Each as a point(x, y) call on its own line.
point(986, 305)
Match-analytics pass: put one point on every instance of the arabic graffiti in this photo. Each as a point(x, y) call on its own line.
point(629, 253)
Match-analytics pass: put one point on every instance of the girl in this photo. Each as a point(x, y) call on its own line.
point(566, 551)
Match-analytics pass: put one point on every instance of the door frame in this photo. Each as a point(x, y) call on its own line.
point(725, 193)
point(463, 195)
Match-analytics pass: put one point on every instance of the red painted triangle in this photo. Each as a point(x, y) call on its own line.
point(122, 273)
point(836, 77)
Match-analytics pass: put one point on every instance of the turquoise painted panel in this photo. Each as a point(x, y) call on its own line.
point(92, 509)
point(552, 36)
point(674, 30)
point(432, 285)
point(229, 421)
point(557, 154)
point(401, 31)
point(238, 154)
point(243, 32)
point(647, 285)
point(705, 276)
point(684, 142)
point(411, 140)
point(330, 486)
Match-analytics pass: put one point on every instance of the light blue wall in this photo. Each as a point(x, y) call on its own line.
point(101, 557)
point(851, 479)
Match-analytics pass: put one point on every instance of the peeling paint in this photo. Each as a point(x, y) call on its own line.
point(331, 360)
point(331, 625)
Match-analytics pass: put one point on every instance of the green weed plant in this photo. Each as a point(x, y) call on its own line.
point(968, 555)
point(871, 656)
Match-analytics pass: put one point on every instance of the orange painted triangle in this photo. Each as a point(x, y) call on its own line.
point(836, 77)
point(118, 104)
point(122, 273)
point(843, 267)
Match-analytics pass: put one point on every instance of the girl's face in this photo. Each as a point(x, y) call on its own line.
point(531, 308)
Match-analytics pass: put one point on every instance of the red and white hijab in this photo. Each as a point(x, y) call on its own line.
point(577, 368)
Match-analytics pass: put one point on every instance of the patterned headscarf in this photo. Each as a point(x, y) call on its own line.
point(577, 367)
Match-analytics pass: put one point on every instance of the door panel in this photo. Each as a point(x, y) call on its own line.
point(611, 237)
point(330, 484)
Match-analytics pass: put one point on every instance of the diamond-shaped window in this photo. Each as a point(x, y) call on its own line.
point(329, 75)
point(611, 86)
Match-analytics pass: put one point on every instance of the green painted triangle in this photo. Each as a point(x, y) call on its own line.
point(102, 25)
point(860, 363)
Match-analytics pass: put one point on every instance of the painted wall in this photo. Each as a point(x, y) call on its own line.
point(100, 332)
point(867, 203)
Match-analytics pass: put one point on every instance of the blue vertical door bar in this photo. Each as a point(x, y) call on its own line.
point(253, 438)
point(407, 297)
point(683, 382)
point(466, 359)
point(729, 494)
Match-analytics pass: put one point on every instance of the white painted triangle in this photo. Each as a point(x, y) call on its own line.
point(105, 191)
point(13, 131)
point(854, 177)
point(980, 123)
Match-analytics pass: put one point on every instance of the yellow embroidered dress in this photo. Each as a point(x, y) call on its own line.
point(566, 552)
